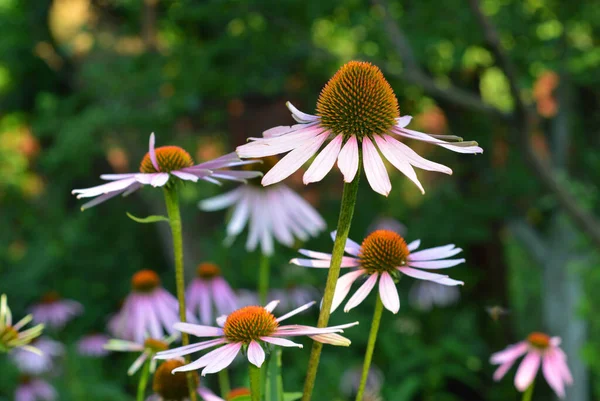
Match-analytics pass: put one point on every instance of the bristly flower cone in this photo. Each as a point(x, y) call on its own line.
point(383, 251)
point(168, 158)
point(172, 387)
point(249, 324)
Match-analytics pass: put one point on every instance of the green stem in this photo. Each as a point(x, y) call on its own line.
point(343, 228)
point(172, 202)
point(141, 391)
point(528, 393)
point(370, 347)
point(224, 385)
point(263, 278)
point(254, 373)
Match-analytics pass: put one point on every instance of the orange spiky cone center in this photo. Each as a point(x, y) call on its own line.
point(207, 271)
point(168, 158)
point(358, 101)
point(145, 281)
point(249, 324)
point(172, 387)
point(383, 251)
point(539, 340)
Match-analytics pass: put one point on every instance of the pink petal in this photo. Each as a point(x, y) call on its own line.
point(300, 116)
point(320, 263)
point(388, 293)
point(188, 349)
point(527, 370)
point(159, 179)
point(502, 369)
point(511, 353)
point(113, 177)
point(220, 201)
point(374, 169)
point(420, 136)
point(256, 355)
point(315, 255)
point(272, 305)
point(223, 360)
point(185, 176)
point(280, 341)
point(282, 130)
point(294, 160)
point(351, 247)
point(552, 372)
point(414, 245)
point(280, 144)
point(198, 330)
point(342, 287)
point(104, 188)
point(413, 157)
point(332, 339)
point(361, 293)
point(403, 121)
point(438, 252)
point(397, 160)
point(436, 264)
point(208, 395)
point(153, 153)
point(295, 311)
point(324, 161)
point(348, 159)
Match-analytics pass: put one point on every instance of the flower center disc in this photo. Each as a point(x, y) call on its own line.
point(145, 281)
point(249, 323)
point(208, 271)
point(8, 334)
point(359, 101)
point(383, 251)
point(539, 340)
point(155, 345)
point(168, 158)
point(172, 387)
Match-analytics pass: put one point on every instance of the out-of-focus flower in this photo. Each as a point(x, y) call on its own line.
point(424, 295)
point(357, 106)
point(389, 224)
point(539, 349)
point(246, 297)
point(34, 389)
point(55, 312)
point(11, 336)
point(157, 168)
point(148, 349)
point(543, 93)
point(148, 311)
point(38, 363)
point(350, 380)
point(249, 327)
point(210, 290)
point(271, 213)
point(293, 296)
point(383, 255)
point(93, 345)
point(496, 312)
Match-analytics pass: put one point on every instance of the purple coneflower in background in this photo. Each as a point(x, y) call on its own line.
point(209, 289)
point(147, 349)
point(248, 327)
point(148, 311)
point(271, 213)
point(356, 107)
point(34, 389)
point(11, 335)
point(93, 345)
point(539, 348)
point(34, 363)
point(383, 255)
point(156, 169)
point(424, 295)
point(55, 312)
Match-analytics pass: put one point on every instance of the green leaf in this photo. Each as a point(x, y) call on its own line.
point(274, 382)
point(292, 396)
point(149, 219)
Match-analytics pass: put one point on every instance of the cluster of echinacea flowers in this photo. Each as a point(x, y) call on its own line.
point(159, 167)
point(539, 349)
point(93, 345)
point(273, 213)
point(55, 312)
point(12, 336)
point(357, 112)
point(209, 291)
point(383, 256)
point(250, 329)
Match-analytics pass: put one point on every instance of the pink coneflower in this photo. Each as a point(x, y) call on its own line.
point(35, 364)
point(424, 295)
point(275, 213)
point(93, 345)
point(55, 312)
point(356, 107)
point(34, 389)
point(209, 291)
point(11, 336)
point(158, 167)
point(250, 327)
point(147, 350)
point(169, 386)
point(539, 348)
point(383, 255)
point(148, 311)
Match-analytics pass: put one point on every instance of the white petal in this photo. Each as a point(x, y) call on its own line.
point(388, 293)
point(256, 355)
point(348, 159)
point(342, 287)
point(413, 158)
point(361, 293)
point(374, 168)
point(324, 161)
point(300, 116)
point(397, 161)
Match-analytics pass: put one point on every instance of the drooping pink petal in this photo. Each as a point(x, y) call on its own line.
point(527, 370)
point(348, 159)
point(241, 213)
point(436, 264)
point(207, 395)
point(282, 130)
point(114, 177)
point(280, 341)
point(414, 245)
point(314, 254)
point(280, 144)
point(152, 153)
point(403, 121)
point(272, 305)
point(414, 158)
point(361, 293)
point(300, 116)
point(198, 330)
point(398, 161)
point(502, 369)
point(332, 339)
point(256, 355)
point(213, 356)
point(421, 274)
point(185, 176)
point(159, 179)
point(189, 349)
point(295, 311)
point(552, 372)
point(351, 247)
point(511, 353)
point(220, 201)
point(374, 168)
point(342, 287)
point(103, 198)
point(320, 263)
point(104, 188)
point(294, 160)
point(438, 252)
point(224, 359)
point(138, 363)
point(388, 293)
point(455, 147)
point(324, 161)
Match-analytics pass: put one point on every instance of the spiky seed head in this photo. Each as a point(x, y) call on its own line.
point(383, 251)
point(249, 323)
point(145, 281)
point(168, 158)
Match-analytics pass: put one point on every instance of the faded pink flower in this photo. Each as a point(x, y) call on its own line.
point(33, 363)
point(55, 312)
point(160, 165)
point(93, 345)
point(383, 256)
point(356, 108)
point(248, 328)
point(209, 291)
point(34, 389)
point(539, 349)
point(147, 350)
